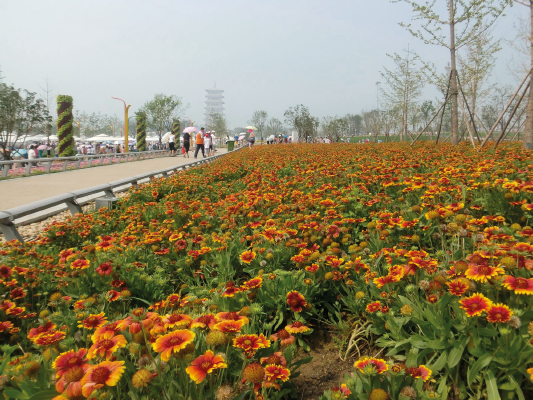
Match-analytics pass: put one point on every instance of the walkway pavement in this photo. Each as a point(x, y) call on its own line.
point(18, 192)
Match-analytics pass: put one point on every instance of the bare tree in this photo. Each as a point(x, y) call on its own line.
point(465, 19)
point(404, 86)
point(259, 120)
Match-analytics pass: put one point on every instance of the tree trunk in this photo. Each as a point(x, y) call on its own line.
point(527, 142)
point(455, 108)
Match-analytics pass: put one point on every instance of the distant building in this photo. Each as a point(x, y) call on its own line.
point(214, 102)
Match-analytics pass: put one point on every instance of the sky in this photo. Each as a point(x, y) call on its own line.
point(265, 54)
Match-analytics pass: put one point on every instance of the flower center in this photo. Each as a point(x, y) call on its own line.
point(175, 318)
point(100, 375)
point(521, 283)
point(74, 374)
point(283, 334)
point(297, 324)
point(106, 343)
point(175, 341)
point(232, 316)
point(485, 270)
point(72, 361)
point(474, 306)
point(247, 342)
point(498, 315)
point(206, 365)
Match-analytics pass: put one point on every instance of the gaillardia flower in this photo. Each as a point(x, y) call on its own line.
point(173, 342)
point(204, 365)
point(475, 304)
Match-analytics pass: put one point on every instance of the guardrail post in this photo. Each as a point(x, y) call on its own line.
point(78, 163)
point(5, 170)
point(10, 232)
point(48, 166)
point(89, 163)
point(74, 207)
point(65, 165)
point(27, 171)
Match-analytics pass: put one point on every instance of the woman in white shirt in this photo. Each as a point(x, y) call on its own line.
point(207, 143)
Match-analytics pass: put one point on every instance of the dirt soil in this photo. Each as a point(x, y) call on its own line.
point(326, 370)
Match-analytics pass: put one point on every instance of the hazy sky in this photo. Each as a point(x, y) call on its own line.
point(266, 54)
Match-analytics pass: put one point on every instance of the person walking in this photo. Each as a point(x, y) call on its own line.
point(186, 143)
point(207, 143)
point(251, 140)
point(200, 143)
point(172, 144)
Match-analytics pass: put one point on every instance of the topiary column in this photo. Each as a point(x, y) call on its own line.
point(176, 132)
point(65, 146)
point(141, 130)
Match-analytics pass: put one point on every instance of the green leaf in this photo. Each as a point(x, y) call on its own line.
point(243, 395)
point(15, 394)
point(136, 298)
point(411, 358)
point(441, 362)
point(301, 362)
point(481, 363)
point(7, 353)
point(457, 352)
point(517, 388)
point(492, 386)
point(44, 395)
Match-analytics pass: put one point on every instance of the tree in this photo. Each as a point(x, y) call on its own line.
point(334, 128)
point(476, 68)
point(528, 131)
point(19, 116)
point(217, 122)
point(466, 19)
point(427, 110)
point(301, 120)
point(161, 111)
point(405, 84)
point(47, 94)
point(355, 124)
point(274, 127)
point(259, 120)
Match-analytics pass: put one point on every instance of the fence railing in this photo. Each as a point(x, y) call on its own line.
point(76, 161)
point(74, 200)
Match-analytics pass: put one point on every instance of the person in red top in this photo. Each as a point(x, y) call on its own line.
point(200, 142)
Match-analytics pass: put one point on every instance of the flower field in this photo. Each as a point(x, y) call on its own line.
point(210, 283)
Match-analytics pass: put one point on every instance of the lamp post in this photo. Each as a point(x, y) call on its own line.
point(126, 119)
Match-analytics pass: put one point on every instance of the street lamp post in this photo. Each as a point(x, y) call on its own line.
point(126, 120)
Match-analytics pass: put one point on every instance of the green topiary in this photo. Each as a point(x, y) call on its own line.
point(65, 147)
point(176, 132)
point(141, 130)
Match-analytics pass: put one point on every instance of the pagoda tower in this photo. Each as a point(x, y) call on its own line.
point(214, 102)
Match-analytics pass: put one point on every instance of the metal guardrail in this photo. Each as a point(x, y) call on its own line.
point(72, 199)
point(98, 159)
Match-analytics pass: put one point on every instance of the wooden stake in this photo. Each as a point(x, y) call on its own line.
point(513, 113)
point(469, 113)
point(446, 98)
point(506, 108)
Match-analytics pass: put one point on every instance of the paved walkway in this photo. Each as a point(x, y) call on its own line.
point(17, 192)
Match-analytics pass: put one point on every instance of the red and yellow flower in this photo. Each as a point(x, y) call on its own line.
point(248, 256)
point(107, 373)
point(105, 345)
point(475, 304)
point(518, 285)
point(203, 365)
point(251, 343)
point(296, 300)
point(482, 273)
point(93, 321)
point(499, 313)
point(371, 365)
point(173, 342)
point(297, 327)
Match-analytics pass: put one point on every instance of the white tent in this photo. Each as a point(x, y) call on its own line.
point(101, 138)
